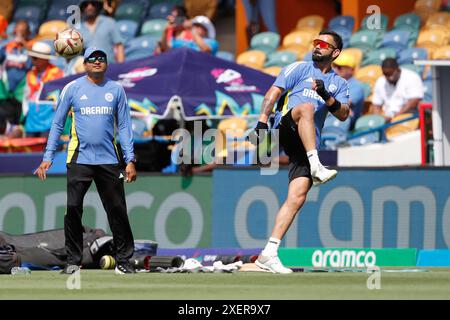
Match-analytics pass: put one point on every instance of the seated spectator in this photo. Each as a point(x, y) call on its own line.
point(101, 31)
point(201, 8)
point(198, 34)
point(255, 8)
point(175, 21)
point(398, 91)
point(39, 114)
point(344, 66)
point(15, 64)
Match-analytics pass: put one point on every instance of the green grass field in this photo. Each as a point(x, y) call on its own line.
point(99, 284)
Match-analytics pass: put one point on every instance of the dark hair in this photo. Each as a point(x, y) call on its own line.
point(389, 63)
point(181, 11)
point(336, 38)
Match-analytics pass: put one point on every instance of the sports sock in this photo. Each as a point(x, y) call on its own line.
point(271, 248)
point(313, 158)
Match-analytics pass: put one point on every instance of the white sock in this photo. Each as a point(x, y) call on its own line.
point(271, 248)
point(313, 158)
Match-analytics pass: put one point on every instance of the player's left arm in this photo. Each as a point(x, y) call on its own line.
point(126, 135)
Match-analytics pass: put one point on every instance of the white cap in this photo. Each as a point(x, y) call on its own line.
point(41, 50)
point(207, 24)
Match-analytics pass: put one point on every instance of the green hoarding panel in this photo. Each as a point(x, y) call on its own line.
point(171, 210)
point(347, 257)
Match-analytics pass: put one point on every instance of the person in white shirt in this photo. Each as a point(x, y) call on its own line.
point(398, 91)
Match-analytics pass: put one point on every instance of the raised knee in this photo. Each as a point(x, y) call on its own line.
point(305, 111)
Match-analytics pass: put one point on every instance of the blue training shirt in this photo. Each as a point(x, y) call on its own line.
point(97, 112)
point(297, 79)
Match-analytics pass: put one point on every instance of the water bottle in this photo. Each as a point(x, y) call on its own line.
point(20, 270)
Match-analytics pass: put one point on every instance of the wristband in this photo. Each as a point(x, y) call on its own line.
point(335, 106)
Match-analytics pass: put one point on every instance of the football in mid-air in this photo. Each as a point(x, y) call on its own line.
point(68, 43)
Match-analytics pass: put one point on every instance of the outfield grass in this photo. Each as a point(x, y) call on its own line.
point(99, 284)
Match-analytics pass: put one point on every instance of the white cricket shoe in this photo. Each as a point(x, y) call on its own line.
point(320, 174)
point(272, 264)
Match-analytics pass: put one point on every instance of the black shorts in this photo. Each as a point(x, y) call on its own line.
point(293, 146)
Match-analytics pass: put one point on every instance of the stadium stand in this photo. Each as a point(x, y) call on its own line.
point(140, 47)
point(280, 59)
point(342, 22)
point(153, 27)
point(127, 28)
point(252, 58)
point(265, 41)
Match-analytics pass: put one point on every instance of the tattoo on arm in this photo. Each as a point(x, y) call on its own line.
point(267, 106)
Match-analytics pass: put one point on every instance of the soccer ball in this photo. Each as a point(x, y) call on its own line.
point(68, 43)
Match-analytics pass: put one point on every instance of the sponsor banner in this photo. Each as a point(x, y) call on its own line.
point(170, 210)
point(376, 208)
point(347, 257)
point(433, 258)
point(208, 256)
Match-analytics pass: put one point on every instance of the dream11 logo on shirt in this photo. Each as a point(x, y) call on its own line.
point(233, 80)
point(129, 79)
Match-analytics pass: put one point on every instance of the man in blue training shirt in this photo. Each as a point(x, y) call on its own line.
point(312, 89)
point(99, 107)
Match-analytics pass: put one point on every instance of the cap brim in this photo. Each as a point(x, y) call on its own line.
point(95, 51)
point(40, 55)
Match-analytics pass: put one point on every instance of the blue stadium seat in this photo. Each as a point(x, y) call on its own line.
point(396, 39)
point(345, 35)
point(130, 11)
point(384, 20)
point(366, 40)
point(364, 123)
point(225, 55)
point(334, 132)
point(280, 59)
point(29, 12)
point(265, 41)
point(409, 55)
point(377, 56)
point(153, 27)
point(345, 22)
point(57, 11)
point(417, 69)
point(160, 10)
point(407, 21)
point(127, 28)
point(144, 3)
point(140, 47)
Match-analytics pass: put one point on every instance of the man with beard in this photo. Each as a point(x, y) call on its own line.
point(312, 90)
point(101, 31)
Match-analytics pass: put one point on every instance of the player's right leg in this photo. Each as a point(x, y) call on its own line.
point(303, 116)
point(79, 178)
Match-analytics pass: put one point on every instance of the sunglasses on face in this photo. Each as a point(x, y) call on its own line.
point(323, 44)
point(93, 59)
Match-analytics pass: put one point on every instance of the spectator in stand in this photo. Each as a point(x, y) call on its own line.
point(344, 66)
point(265, 8)
point(3, 28)
point(6, 9)
point(198, 34)
point(39, 114)
point(15, 65)
point(174, 27)
point(201, 8)
point(398, 91)
point(101, 31)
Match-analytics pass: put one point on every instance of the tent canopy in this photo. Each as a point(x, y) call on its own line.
point(205, 86)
